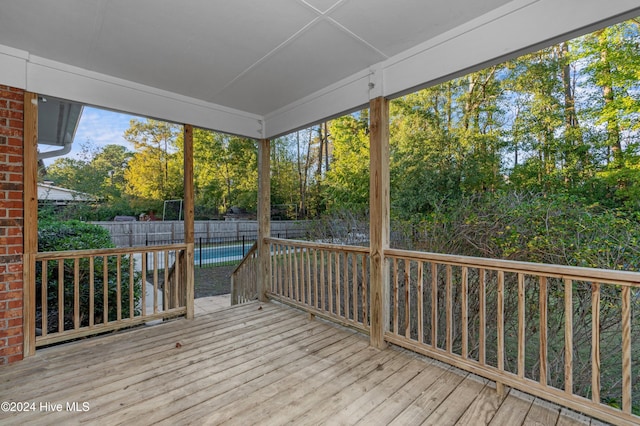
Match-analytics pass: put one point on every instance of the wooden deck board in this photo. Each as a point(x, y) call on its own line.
point(456, 403)
point(513, 410)
point(542, 413)
point(254, 364)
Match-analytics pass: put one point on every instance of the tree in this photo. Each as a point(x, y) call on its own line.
point(348, 179)
point(154, 172)
point(110, 165)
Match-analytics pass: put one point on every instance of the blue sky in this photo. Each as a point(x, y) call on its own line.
point(98, 128)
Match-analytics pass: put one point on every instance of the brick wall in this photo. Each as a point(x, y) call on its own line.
point(11, 220)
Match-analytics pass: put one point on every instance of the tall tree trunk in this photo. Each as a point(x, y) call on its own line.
point(326, 146)
point(573, 132)
point(613, 128)
point(320, 152)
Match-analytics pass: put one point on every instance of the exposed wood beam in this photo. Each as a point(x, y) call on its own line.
point(379, 218)
point(30, 224)
point(264, 218)
point(189, 209)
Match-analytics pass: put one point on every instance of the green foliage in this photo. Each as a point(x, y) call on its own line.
point(56, 235)
point(555, 229)
point(100, 174)
point(348, 178)
point(154, 172)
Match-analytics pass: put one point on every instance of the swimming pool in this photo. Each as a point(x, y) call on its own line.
point(220, 254)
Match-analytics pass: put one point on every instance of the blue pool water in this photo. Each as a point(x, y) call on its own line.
point(208, 255)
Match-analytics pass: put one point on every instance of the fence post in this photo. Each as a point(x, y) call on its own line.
point(243, 246)
point(200, 251)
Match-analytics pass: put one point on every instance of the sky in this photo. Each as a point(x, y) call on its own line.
point(98, 128)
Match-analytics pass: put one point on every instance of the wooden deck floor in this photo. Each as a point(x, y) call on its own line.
point(253, 364)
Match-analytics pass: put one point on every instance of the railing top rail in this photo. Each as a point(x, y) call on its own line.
point(324, 246)
point(72, 254)
point(628, 278)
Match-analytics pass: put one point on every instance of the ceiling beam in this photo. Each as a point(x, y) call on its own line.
point(51, 78)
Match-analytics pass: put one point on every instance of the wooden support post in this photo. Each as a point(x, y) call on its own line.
point(379, 218)
point(189, 237)
point(264, 219)
point(30, 226)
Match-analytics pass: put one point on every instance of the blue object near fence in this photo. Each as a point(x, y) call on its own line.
point(207, 253)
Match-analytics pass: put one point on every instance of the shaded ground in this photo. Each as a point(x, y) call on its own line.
point(213, 281)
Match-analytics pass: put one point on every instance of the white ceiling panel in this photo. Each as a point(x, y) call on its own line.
point(321, 55)
point(394, 26)
point(45, 29)
point(193, 51)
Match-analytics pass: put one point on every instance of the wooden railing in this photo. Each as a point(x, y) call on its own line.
point(87, 292)
point(570, 335)
point(244, 278)
point(327, 280)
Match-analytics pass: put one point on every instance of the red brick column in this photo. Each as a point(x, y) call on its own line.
point(11, 222)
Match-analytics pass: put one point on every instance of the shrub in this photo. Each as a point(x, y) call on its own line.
point(56, 235)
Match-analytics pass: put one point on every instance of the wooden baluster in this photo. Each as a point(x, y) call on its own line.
point(329, 282)
point(296, 271)
point(395, 296)
point(76, 293)
point(275, 268)
point(345, 273)
point(354, 287)
point(407, 298)
point(316, 302)
point(434, 305)
point(131, 285)
point(144, 283)
point(105, 290)
point(283, 269)
point(290, 251)
point(177, 300)
point(500, 318)
point(449, 310)
point(420, 300)
point(626, 350)
point(119, 287)
point(309, 285)
point(482, 313)
point(60, 295)
point(155, 282)
point(45, 298)
point(338, 284)
point(323, 283)
point(365, 292)
point(595, 342)
point(165, 285)
point(465, 311)
point(568, 336)
point(521, 325)
point(92, 291)
point(543, 330)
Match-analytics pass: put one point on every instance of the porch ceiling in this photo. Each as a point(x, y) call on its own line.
point(262, 68)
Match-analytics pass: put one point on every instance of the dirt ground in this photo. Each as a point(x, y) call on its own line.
point(213, 281)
